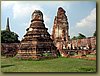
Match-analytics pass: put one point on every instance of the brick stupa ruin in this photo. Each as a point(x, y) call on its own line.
point(60, 33)
point(37, 43)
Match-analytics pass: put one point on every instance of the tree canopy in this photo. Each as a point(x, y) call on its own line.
point(94, 34)
point(74, 38)
point(9, 37)
point(80, 36)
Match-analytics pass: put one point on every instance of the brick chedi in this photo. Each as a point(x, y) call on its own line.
point(7, 26)
point(37, 43)
point(60, 33)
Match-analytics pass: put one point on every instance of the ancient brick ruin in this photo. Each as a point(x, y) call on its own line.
point(61, 38)
point(9, 49)
point(88, 43)
point(60, 33)
point(37, 43)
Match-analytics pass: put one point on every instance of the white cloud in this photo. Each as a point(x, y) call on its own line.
point(86, 26)
point(47, 22)
point(6, 4)
point(46, 18)
point(21, 10)
point(22, 13)
point(89, 21)
point(64, 4)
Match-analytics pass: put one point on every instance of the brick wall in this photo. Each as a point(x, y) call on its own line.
point(9, 49)
point(89, 43)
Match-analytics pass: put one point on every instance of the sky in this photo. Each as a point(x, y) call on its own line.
point(81, 15)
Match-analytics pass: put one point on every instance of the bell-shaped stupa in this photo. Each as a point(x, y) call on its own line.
point(37, 43)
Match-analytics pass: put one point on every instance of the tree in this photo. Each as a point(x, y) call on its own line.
point(74, 38)
point(9, 37)
point(94, 34)
point(81, 36)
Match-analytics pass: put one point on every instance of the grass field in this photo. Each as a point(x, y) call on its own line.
point(51, 65)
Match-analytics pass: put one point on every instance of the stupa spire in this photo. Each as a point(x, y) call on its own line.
point(7, 26)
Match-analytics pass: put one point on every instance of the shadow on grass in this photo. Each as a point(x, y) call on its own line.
point(3, 66)
point(87, 69)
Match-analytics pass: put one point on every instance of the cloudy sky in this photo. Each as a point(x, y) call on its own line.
point(81, 15)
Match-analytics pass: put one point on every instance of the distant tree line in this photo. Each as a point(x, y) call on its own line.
point(81, 36)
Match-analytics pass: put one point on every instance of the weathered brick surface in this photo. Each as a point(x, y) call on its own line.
point(9, 49)
point(88, 43)
point(37, 43)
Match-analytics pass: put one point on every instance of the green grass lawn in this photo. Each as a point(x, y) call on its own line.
point(91, 55)
point(51, 65)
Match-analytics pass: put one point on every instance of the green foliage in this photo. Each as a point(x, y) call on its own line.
point(74, 38)
point(80, 36)
point(9, 37)
point(94, 33)
point(47, 54)
point(72, 53)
